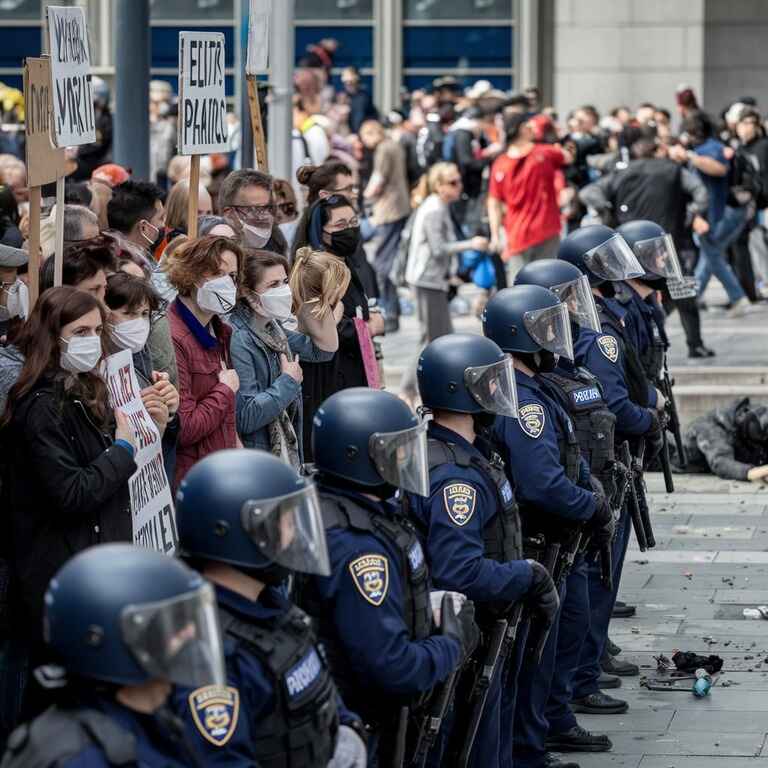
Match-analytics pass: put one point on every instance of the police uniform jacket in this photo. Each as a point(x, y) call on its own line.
point(531, 445)
point(642, 314)
point(461, 503)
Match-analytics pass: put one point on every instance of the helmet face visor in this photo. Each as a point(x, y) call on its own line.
point(659, 256)
point(178, 640)
point(289, 530)
point(551, 329)
point(493, 387)
point(577, 296)
point(401, 458)
point(613, 260)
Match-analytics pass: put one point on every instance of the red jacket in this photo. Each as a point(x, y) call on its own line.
point(207, 407)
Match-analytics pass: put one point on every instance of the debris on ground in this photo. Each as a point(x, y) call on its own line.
point(687, 661)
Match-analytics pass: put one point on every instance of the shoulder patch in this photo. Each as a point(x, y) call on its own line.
point(371, 576)
point(215, 709)
point(460, 500)
point(609, 347)
point(531, 417)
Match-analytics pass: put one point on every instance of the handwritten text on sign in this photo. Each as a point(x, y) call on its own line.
point(74, 122)
point(154, 521)
point(202, 107)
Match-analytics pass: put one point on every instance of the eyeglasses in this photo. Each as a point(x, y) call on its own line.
point(256, 211)
point(342, 224)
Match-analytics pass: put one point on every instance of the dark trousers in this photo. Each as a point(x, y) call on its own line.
point(741, 261)
point(509, 696)
point(386, 251)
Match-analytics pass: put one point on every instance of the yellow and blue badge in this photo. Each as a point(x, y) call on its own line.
point(531, 419)
point(460, 499)
point(609, 347)
point(215, 709)
point(371, 576)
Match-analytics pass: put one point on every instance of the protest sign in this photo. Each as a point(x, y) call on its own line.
point(45, 163)
point(257, 59)
point(154, 519)
point(73, 117)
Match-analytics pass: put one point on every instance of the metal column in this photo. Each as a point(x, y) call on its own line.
point(131, 38)
point(281, 56)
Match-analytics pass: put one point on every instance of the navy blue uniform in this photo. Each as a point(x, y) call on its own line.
point(644, 318)
point(463, 501)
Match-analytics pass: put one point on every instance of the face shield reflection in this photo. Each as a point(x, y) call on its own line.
point(493, 387)
point(659, 256)
point(613, 260)
point(178, 640)
point(551, 328)
point(577, 296)
point(289, 530)
point(401, 458)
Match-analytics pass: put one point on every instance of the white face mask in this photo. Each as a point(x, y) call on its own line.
point(276, 302)
point(81, 353)
point(17, 301)
point(131, 334)
point(255, 237)
point(217, 295)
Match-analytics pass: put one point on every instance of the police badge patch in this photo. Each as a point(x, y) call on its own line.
point(459, 499)
point(371, 576)
point(609, 347)
point(215, 709)
point(531, 419)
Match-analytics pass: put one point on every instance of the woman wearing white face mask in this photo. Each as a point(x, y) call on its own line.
point(65, 486)
point(266, 354)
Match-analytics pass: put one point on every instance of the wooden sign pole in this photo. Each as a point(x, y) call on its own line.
point(194, 193)
point(260, 144)
point(58, 267)
point(33, 270)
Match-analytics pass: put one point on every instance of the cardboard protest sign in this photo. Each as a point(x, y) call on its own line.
point(258, 37)
point(202, 102)
point(73, 116)
point(154, 519)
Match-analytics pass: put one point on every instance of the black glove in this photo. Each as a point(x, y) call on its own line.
point(654, 442)
point(542, 593)
point(603, 512)
point(460, 625)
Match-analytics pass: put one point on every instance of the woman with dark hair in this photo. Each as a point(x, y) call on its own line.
point(69, 457)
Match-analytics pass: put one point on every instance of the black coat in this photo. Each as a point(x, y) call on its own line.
point(65, 489)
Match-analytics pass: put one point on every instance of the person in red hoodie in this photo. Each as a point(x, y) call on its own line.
point(205, 272)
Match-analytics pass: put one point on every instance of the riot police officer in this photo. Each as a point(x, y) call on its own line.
point(556, 500)
point(471, 524)
point(374, 613)
point(605, 258)
point(127, 624)
point(246, 521)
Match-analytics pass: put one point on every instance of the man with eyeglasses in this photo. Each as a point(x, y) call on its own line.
point(246, 201)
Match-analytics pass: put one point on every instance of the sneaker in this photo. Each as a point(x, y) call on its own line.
point(578, 739)
point(739, 308)
point(599, 704)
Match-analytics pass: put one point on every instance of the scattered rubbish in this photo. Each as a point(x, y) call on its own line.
point(641, 562)
point(688, 575)
point(752, 614)
point(687, 661)
point(727, 580)
point(703, 684)
point(635, 630)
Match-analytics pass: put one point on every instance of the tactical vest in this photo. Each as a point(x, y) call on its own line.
point(652, 357)
point(301, 730)
point(634, 373)
point(342, 512)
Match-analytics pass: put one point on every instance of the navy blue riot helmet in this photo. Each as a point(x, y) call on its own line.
point(567, 283)
point(600, 253)
point(528, 319)
point(124, 615)
point(247, 508)
point(467, 373)
point(654, 249)
point(370, 438)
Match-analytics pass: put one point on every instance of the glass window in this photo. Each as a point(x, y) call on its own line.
point(165, 45)
point(414, 82)
point(334, 9)
point(355, 44)
point(16, 10)
point(457, 9)
point(18, 43)
point(457, 47)
point(198, 10)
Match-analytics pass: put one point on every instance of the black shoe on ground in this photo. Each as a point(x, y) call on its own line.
point(578, 739)
point(623, 611)
point(700, 351)
point(611, 648)
point(613, 666)
point(551, 761)
point(599, 704)
point(606, 681)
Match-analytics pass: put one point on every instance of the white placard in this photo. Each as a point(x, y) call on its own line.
point(73, 118)
point(154, 520)
point(258, 37)
point(202, 104)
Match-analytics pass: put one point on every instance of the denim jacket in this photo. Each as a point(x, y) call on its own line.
point(264, 391)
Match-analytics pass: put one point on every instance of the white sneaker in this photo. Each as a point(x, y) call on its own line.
point(740, 307)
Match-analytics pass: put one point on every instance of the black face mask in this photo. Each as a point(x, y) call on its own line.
point(545, 361)
point(345, 242)
point(483, 421)
point(607, 289)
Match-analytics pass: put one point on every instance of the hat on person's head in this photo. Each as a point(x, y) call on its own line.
point(12, 257)
point(111, 174)
point(479, 89)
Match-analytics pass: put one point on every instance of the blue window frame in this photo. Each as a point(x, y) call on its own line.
point(18, 43)
point(165, 45)
point(447, 47)
point(355, 44)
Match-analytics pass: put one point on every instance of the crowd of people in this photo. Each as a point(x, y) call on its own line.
point(357, 582)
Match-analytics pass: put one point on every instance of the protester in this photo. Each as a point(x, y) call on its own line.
point(286, 209)
point(80, 225)
point(206, 273)
point(85, 266)
point(247, 204)
point(136, 211)
point(361, 106)
point(14, 298)
point(177, 206)
point(215, 225)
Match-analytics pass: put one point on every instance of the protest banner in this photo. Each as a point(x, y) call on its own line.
point(257, 60)
point(154, 519)
point(74, 122)
point(202, 106)
point(45, 163)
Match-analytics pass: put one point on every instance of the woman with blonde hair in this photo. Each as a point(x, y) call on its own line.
point(266, 350)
